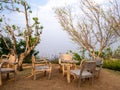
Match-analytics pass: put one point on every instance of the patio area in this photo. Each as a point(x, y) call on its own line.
point(109, 80)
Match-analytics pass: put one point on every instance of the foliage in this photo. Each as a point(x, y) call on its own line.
point(116, 53)
point(112, 64)
point(76, 56)
point(3, 48)
point(55, 59)
point(106, 53)
point(28, 57)
point(20, 48)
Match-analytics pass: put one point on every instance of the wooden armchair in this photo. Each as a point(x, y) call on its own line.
point(41, 66)
point(4, 69)
point(64, 62)
point(87, 70)
point(8, 65)
point(11, 59)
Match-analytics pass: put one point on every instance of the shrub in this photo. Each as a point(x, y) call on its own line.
point(76, 56)
point(112, 64)
point(55, 59)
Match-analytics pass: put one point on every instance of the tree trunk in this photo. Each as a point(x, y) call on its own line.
point(19, 67)
point(20, 60)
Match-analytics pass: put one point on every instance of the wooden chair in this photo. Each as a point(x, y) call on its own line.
point(41, 66)
point(8, 65)
point(63, 65)
point(87, 70)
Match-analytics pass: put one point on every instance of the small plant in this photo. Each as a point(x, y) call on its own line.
point(54, 59)
point(76, 56)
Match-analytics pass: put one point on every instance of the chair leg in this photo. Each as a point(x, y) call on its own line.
point(63, 70)
point(0, 79)
point(60, 69)
point(98, 74)
point(7, 77)
point(14, 76)
point(32, 72)
point(79, 82)
point(34, 76)
point(50, 75)
point(45, 73)
point(92, 79)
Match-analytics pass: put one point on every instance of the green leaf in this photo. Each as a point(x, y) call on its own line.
point(28, 7)
point(17, 9)
point(1, 6)
point(7, 27)
point(14, 27)
point(30, 11)
point(22, 2)
point(15, 1)
point(41, 27)
point(35, 19)
point(0, 19)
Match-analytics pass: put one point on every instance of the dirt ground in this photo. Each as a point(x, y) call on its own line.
point(109, 80)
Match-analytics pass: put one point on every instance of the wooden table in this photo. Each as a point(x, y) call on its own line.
point(68, 64)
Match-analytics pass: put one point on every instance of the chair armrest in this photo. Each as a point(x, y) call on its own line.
point(3, 64)
point(43, 62)
point(6, 56)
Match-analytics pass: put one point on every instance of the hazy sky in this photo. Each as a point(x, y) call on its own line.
point(53, 39)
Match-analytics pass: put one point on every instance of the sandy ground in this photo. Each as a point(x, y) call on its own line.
point(109, 80)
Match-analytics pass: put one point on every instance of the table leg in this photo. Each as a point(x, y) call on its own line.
point(0, 79)
point(63, 70)
point(68, 73)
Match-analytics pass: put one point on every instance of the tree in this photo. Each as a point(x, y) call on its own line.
point(114, 15)
point(31, 34)
point(89, 26)
point(4, 50)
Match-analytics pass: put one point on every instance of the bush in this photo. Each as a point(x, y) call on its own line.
point(55, 59)
point(76, 56)
point(112, 64)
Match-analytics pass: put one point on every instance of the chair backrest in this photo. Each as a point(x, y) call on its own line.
point(4, 57)
point(41, 62)
point(82, 61)
point(12, 58)
point(99, 62)
point(88, 65)
point(65, 57)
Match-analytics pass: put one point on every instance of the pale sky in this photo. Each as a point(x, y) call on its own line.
point(53, 39)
